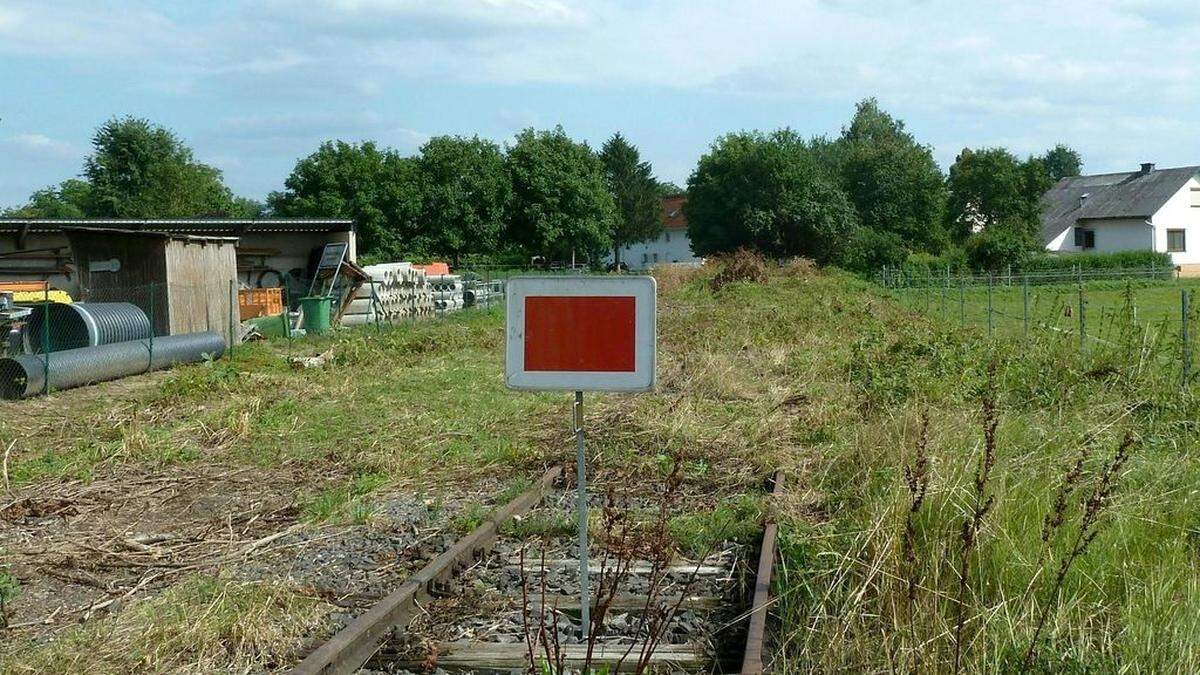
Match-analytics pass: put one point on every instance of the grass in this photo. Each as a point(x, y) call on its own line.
point(821, 374)
point(203, 624)
point(1154, 303)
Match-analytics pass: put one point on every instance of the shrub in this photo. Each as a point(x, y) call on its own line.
point(743, 265)
point(869, 250)
point(1053, 262)
point(997, 248)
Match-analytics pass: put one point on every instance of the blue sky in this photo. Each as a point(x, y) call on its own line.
point(252, 86)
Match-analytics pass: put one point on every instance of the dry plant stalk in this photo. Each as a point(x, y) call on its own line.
point(916, 479)
point(741, 265)
point(1094, 505)
point(969, 535)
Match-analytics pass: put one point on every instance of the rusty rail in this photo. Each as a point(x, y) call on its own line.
point(354, 645)
point(752, 661)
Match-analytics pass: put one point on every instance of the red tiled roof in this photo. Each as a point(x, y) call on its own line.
point(672, 212)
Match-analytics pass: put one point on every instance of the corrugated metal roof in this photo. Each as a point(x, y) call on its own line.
point(201, 226)
point(1112, 195)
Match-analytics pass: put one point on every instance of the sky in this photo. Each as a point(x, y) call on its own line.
point(253, 86)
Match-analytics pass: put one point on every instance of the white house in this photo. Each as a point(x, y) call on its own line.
point(1151, 208)
point(671, 246)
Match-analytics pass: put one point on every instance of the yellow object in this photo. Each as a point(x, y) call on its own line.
point(28, 297)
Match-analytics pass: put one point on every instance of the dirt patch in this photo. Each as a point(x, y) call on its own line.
point(79, 548)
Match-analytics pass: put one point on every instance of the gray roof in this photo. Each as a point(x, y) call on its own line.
point(229, 227)
point(1110, 195)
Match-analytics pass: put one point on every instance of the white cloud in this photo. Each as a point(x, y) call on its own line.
point(41, 146)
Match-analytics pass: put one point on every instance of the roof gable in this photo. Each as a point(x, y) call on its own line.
point(1111, 195)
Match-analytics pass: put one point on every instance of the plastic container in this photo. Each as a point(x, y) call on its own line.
point(256, 302)
point(316, 313)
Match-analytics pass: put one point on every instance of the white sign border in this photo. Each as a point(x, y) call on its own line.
point(643, 377)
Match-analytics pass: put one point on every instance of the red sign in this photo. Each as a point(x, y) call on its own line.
point(580, 333)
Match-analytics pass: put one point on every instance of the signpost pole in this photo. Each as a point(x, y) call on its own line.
point(581, 480)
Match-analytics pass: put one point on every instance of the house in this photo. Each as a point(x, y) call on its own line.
point(270, 251)
point(1151, 208)
point(672, 245)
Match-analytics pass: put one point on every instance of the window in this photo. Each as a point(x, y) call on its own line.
point(1196, 198)
point(668, 237)
point(1176, 241)
point(645, 258)
point(1085, 238)
point(655, 257)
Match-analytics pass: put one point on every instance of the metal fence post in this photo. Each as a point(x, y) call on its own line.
point(150, 365)
point(1025, 301)
point(1183, 334)
point(286, 317)
point(991, 327)
point(232, 300)
point(962, 303)
point(1082, 321)
point(46, 338)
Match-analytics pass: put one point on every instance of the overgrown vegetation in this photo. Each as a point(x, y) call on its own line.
point(876, 412)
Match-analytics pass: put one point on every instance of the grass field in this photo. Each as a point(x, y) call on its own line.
point(1152, 303)
point(880, 414)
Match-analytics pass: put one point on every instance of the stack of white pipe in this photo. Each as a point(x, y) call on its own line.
point(399, 291)
point(447, 291)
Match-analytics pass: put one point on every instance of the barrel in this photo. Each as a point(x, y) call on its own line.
point(316, 313)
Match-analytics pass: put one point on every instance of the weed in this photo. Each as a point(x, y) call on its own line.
point(9, 588)
point(741, 266)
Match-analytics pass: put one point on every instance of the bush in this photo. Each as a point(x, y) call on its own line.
point(870, 250)
point(1054, 262)
point(927, 264)
point(742, 265)
point(997, 248)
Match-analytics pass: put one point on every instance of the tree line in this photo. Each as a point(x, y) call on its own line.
point(872, 196)
point(542, 195)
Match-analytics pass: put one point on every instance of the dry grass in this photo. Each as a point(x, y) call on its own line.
point(204, 624)
point(740, 266)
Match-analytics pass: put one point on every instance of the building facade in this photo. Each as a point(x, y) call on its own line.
point(1154, 209)
point(671, 246)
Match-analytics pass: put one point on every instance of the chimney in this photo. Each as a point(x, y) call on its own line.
point(1147, 168)
point(1083, 198)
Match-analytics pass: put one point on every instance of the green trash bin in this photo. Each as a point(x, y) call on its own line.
point(316, 313)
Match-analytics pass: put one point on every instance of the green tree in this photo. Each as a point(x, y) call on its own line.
point(68, 199)
point(1061, 162)
point(635, 192)
point(560, 206)
point(991, 186)
point(893, 181)
point(378, 189)
point(465, 191)
point(767, 192)
point(140, 170)
point(667, 188)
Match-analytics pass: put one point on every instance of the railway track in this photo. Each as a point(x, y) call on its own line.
point(507, 594)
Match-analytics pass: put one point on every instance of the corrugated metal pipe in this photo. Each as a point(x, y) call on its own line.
point(25, 375)
point(86, 324)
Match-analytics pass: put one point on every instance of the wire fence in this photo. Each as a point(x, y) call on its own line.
point(1141, 312)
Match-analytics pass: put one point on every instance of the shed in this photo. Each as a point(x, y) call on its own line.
point(185, 283)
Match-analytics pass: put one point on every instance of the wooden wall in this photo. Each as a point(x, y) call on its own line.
point(202, 286)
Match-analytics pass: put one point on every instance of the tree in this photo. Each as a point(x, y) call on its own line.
point(893, 181)
point(635, 192)
point(767, 192)
point(141, 170)
point(464, 193)
point(378, 189)
point(1061, 162)
point(560, 207)
point(991, 186)
point(68, 200)
point(668, 188)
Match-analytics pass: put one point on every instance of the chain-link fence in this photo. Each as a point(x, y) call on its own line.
point(1097, 310)
point(56, 342)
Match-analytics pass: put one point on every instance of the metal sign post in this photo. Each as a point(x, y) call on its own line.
point(581, 334)
point(581, 488)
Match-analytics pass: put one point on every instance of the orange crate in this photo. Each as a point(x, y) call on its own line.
point(256, 302)
point(24, 286)
point(434, 268)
